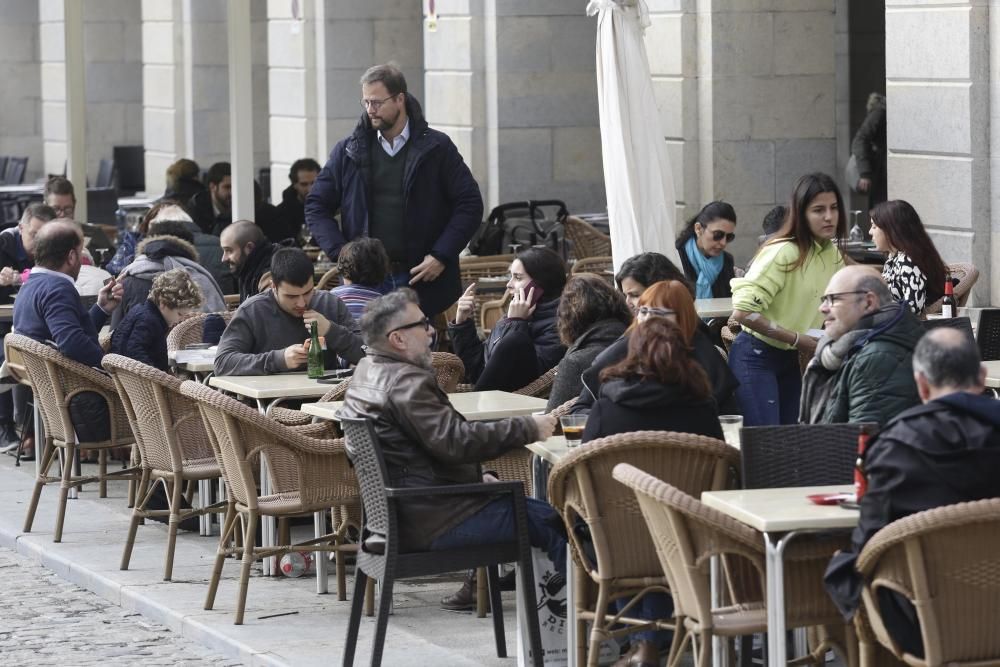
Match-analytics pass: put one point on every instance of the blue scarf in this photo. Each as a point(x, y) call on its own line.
point(708, 269)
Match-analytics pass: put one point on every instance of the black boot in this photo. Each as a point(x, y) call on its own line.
point(464, 599)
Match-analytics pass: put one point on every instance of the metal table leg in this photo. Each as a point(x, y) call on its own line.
point(321, 557)
point(267, 525)
point(720, 652)
point(774, 549)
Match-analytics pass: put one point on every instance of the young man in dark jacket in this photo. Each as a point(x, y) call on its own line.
point(292, 208)
point(399, 181)
point(248, 253)
point(942, 452)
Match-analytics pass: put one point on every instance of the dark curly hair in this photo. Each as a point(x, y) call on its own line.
point(586, 300)
point(364, 261)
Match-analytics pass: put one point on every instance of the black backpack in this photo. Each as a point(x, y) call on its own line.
point(514, 226)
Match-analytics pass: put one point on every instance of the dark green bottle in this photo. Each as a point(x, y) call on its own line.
point(316, 368)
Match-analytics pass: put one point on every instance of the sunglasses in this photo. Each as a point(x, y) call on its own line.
point(423, 322)
point(718, 235)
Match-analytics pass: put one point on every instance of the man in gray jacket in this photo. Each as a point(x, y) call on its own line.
point(268, 332)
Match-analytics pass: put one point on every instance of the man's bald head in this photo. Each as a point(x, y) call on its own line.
point(238, 240)
point(55, 241)
point(862, 278)
point(945, 361)
point(852, 293)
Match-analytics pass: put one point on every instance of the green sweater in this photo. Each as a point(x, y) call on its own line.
point(790, 299)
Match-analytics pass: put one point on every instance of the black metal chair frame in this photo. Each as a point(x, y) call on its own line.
point(799, 454)
point(379, 519)
point(988, 334)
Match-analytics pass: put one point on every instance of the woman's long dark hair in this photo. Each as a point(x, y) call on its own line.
point(797, 229)
point(905, 232)
point(657, 351)
point(711, 211)
point(546, 268)
point(651, 267)
point(586, 300)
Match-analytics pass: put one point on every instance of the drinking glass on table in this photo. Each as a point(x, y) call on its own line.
point(731, 425)
point(572, 428)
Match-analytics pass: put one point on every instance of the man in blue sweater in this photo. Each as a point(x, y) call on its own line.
point(48, 309)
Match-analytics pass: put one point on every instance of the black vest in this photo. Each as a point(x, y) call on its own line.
point(385, 220)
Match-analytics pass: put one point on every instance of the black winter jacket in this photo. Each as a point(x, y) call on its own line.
point(579, 357)
point(254, 268)
point(142, 335)
point(10, 242)
point(292, 213)
point(626, 405)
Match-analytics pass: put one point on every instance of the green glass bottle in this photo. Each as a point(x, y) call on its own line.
point(316, 367)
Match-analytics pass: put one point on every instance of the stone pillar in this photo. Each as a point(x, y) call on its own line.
point(113, 80)
point(20, 104)
point(939, 126)
point(316, 59)
point(186, 85)
point(513, 83)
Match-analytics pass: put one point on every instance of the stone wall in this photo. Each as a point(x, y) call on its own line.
point(20, 104)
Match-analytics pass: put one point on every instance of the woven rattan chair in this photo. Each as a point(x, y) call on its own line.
point(265, 282)
point(564, 409)
point(602, 266)
point(328, 279)
point(190, 330)
point(388, 563)
point(56, 380)
point(967, 275)
point(800, 454)
point(988, 334)
point(687, 534)
point(173, 446)
point(18, 371)
point(943, 560)
point(587, 240)
point(232, 301)
point(308, 475)
point(541, 387)
point(581, 487)
point(963, 324)
point(490, 313)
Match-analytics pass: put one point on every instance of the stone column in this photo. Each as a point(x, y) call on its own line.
point(113, 80)
point(939, 124)
point(20, 104)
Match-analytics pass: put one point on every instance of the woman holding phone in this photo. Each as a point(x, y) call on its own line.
point(523, 345)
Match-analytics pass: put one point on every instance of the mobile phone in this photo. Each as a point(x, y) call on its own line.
point(536, 296)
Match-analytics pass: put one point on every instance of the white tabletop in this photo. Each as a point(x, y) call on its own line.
point(22, 189)
point(473, 405)
point(714, 307)
point(992, 373)
point(284, 385)
point(551, 450)
point(782, 510)
point(194, 361)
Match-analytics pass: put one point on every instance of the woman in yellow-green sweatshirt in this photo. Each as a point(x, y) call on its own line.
point(777, 302)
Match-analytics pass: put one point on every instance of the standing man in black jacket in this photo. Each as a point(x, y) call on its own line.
point(943, 452)
point(397, 180)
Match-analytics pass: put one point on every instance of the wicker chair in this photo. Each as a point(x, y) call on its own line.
point(18, 371)
point(232, 301)
point(308, 475)
point(963, 324)
point(190, 330)
point(602, 266)
point(387, 564)
point(328, 279)
point(581, 487)
point(541, 387)
point(799, 454)
point(586, 239)
point(967, 275)
point(173, 446)
point(944, 560)
point(56, 380)
point(687, 534)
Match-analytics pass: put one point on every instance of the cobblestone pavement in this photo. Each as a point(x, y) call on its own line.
point(47, 621)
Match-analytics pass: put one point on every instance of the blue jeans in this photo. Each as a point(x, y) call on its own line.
point(395, 281)
point(651, 606)
point(495, 523)
point(770, 381)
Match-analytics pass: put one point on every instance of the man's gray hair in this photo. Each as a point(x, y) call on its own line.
point(39, 211)
point(947, 358)
point(382, 313)
point(876, 285)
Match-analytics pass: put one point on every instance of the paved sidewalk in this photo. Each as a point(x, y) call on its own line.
point(286, 622)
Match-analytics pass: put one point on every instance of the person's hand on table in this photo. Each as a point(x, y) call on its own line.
point(9, 277)
point(466, 304)
point(322, 324)
point(546, 425)
point(521, 306)
point(110, 296)
point(295, 356)
point(427, 270)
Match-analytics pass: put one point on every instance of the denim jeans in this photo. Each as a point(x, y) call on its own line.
point(495, 523)
point(651, 606)
point(394, 281)
point(770, 381)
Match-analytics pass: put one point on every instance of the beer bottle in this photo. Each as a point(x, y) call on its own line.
point(860, 478)
point(316, 367)
point(948, 305)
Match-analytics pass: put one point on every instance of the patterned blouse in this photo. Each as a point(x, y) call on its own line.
point(906, 281)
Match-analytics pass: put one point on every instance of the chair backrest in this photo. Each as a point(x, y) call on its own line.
point(264, 282)
point(130, 163)
point(329, 279)
point(602, 266)
point(587, 240)
point(580, 485)
point(490, 313)
point(102, 205)
point(191, 330)
point(966, 275)
point(105, 174)
point(16, 167)
point(365, 452)
point(686, 534)
point(988, 334)
point(15, 364)
point(167, 425)
point(963, 324)
point(56, 378)
point(448, 370)
point(3, 169)
point(799, 454)
point(540, 388)
point(945, 561)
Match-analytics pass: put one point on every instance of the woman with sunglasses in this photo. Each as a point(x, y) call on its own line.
point(702, 247)
point(777, 302)
point(914, 271)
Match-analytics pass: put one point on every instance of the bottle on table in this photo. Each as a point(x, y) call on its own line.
point(860, 478)
point(315, 363)
point(949, 308)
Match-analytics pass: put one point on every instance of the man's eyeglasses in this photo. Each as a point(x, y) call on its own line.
point(374, 105)
point(64, 211)
point(649, 311)
point(423, 322)
point(830, 299)
point(718, 235)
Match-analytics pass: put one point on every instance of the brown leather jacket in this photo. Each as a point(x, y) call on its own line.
point(426, 442)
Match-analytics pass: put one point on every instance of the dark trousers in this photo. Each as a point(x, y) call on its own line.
point(770, 381)
point(90, 416)
point(513, 364)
